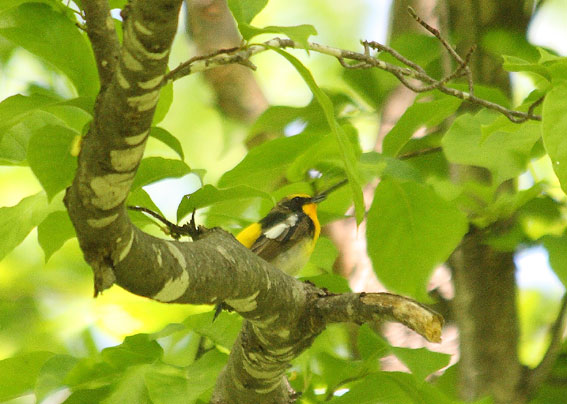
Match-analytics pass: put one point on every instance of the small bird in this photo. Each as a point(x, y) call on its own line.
point(287, 235)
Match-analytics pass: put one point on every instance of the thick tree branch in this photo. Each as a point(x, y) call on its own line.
point(283, 314)
point(102, 34)
point(368, 307)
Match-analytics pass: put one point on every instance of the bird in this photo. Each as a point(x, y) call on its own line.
point(287, 235)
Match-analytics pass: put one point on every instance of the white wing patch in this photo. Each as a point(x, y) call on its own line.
point(275, 231)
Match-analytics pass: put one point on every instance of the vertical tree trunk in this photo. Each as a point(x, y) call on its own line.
point(485, 290)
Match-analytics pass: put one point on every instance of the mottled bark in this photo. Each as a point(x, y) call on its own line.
point(282, 315)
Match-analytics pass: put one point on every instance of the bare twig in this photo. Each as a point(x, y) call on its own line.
point(363, 60)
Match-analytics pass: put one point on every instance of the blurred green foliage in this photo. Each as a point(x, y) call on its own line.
point(56, 341)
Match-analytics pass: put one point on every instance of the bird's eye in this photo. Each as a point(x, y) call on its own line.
point(297, 199)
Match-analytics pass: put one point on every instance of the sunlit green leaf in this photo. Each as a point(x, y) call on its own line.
point(164, 102)
point(332, 282)
point(348, 153)
point(557, 249)
point(516, 64)
point(245, 10)
point(18, 374)
point(15, 140)
point(153, 169)
point(505, 152)
point(168, 385)
point(410, 230)
point(135, 350)
point(324, 153)
point(554, 129)
point(131, 387)
point(209, 195)
point(222, 331)
point(391, 388)
point(17, 221)
point(167, 138)
point(421, 362)
point(52, 374)
point(49, 156)
point(264, 165)
point(53, 37)
point(298, 33)
point(419, 114)
point(54, 231)
point(14, 108)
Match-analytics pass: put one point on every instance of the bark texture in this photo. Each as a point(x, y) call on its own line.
point(282, 315)
point(485, 288)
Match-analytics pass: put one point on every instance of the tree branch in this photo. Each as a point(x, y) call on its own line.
point(368, 307)
point(283, 315)
point(102, 34)
point(363, 61)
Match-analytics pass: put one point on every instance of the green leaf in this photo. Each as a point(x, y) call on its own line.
point(49, 156)
point(410, 230)
point(75, 117)
point(15, 140)
point(136, 349)
point(91, 373)
point(94, 396)
point(422, 362)
point(13, 109)
point(52, 375)
point(505, 152)
point(516, 64)
point(164, 102)
point(223, 331)
point(18, 374)
point(54, 38)
point(370, 345)
point(419, 114)
point(17, 221)
point(348, 153)
point(557, 250)
point(54, 231)
point(554, 128)
point(323, 154)
point(167, 138)
point(391, 388)
point(209, 195)
point(139, 197)
point(131, 387)
point(298, 33)
point(332, 282)
point(263, 166)
point(245, 10)
point(168, 385)
point(153, 169)
point(323, 257)
point(374, 164)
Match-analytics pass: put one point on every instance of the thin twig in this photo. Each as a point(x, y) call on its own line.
point(362, 61)
point(173, 230)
